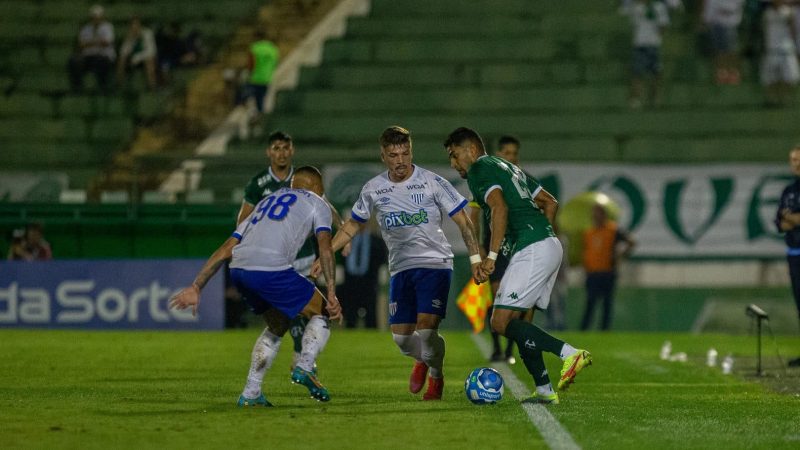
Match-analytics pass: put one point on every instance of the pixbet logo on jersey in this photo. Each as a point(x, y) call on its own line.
point(404, 219)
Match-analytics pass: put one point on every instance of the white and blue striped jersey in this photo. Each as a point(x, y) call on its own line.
point(410, 214)
point(273, 233)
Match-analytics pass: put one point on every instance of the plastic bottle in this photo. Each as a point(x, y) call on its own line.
point(711, 357)
point(666, 349)
point(727, 364)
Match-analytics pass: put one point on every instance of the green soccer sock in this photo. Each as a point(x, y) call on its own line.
point(534, 362)
point(529, 336)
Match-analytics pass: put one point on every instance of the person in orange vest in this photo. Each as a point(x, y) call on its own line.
point(603, 245)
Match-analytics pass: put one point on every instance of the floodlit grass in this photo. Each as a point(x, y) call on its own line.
point(75, 389)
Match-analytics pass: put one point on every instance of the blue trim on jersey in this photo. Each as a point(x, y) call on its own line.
point(322, 229)
point(237, 236)
point(793, 251)
point(458, 208)
point(357, 219)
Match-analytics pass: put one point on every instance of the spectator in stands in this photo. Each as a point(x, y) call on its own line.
point(138, 51)
point(722, 18)
point(603, 245)
point(175, 51)
point(787, 220)
point(95, 52)
point(779, 66)
point(263, 59)
point(18, 251)
point(649, 19)
point(361, 277)
point(29, 245)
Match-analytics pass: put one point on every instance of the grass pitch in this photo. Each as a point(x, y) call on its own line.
point(76, 389)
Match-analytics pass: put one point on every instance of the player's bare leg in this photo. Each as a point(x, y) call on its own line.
point(315, 337)
point(262, 357)
point(432, 352)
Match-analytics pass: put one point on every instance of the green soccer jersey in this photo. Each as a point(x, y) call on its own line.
point(526, 221)
point(264, 184)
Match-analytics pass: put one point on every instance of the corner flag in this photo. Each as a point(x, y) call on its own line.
point(474, 300)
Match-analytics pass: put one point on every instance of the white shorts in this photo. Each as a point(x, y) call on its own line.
point(779, 67)
point(530, 276)
point(303, 265)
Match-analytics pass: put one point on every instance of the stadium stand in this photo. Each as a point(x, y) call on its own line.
point(555, 74)
point(43, 125)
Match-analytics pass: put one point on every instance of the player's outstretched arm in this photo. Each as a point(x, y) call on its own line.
point(329, 272)
point(342, 238)
point(190, 296)
point(468, 234)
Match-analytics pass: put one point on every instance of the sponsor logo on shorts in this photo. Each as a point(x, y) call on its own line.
point(392, 308)
point(513, 295)
point(530, 344)
point(436, 303)
point(404, 219)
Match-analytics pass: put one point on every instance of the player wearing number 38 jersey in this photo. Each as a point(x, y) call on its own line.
point(262, 250)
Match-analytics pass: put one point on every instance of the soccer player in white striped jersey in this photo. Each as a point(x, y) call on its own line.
point(262, 250)
point(409, 204)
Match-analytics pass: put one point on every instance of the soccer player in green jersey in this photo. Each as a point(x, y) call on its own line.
point(520, 212)
point(280, 152)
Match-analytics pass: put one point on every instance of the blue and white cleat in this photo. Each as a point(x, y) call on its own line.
point(258, 401)
point(309, 380)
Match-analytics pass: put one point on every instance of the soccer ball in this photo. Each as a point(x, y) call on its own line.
point(484, 386)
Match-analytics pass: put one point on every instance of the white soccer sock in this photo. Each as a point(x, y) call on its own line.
point(545, 390)
point(567, 351)
point(409, 345)
point(295, 358)
point(314, 339)
point(432, 351)
point(261, 359)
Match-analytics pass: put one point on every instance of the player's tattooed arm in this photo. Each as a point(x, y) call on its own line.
point(499, 222)
point(345, 234)
point(548, 204)
point(467, 232)
point(329, 271)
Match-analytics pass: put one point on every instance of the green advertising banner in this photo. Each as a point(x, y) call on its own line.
point(680, 211)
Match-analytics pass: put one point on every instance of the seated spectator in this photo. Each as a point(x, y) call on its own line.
point(649, 19)
point(95, 52)
point(175, 51)
point(779, 66)
point(138, 51)
point(29, 245)
point(722, 18)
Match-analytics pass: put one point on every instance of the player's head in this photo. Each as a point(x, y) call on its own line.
point(396, 152)
point(308, 178)
point(464, 146)
point(280, 150)
point(794, 159)
point(508, 149)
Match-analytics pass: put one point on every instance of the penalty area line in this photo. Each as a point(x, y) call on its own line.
point(553, 433)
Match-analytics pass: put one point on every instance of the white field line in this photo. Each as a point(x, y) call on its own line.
point(553, 433)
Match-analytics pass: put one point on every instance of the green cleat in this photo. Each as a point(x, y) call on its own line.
point(572, 367)
point(307, 379)
point(542, 399)
point(258, 401)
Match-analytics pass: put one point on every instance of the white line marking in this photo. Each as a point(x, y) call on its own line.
point(553, 433)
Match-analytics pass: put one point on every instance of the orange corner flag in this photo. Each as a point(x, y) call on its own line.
point(474, 300)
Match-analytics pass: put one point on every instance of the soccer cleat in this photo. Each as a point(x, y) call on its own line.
point(258, 401)
point(435, 389)
point(572, 367)
point(307, 379)
point(418, 374)
point(542, 399)
point(313, 370)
